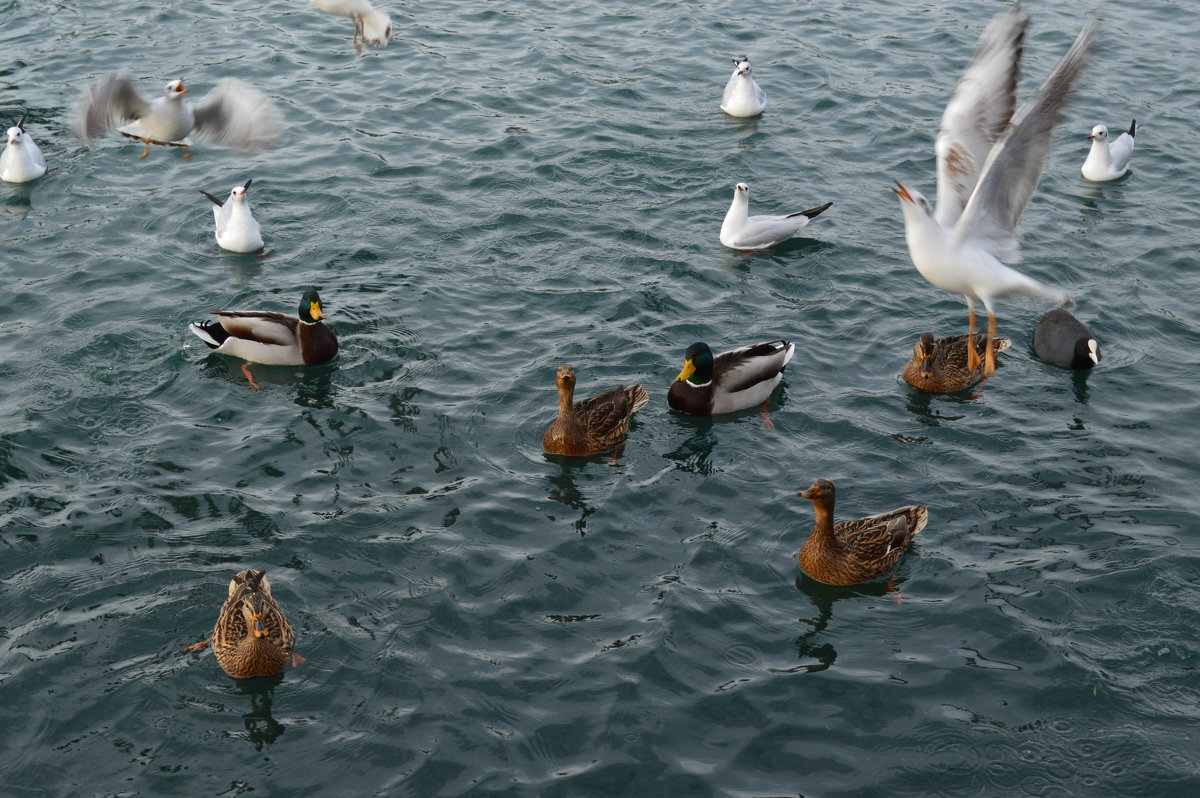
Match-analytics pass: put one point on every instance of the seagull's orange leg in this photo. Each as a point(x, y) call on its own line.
point(989, 367)
point(972, 355)
point(203, 644)
point(250, 377)
point(146, 151)
point(357, 22)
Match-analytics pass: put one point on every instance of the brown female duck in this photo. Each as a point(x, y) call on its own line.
point(854, 551)
point(593, 425)
point(941, 366)
point(251, 636)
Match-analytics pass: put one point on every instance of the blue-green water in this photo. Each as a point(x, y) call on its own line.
point(509, 186)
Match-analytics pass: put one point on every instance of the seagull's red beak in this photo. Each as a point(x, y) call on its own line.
point(1091, 137)
point(901, 192)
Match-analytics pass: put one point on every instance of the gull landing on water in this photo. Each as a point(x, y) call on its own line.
point(375, 25)
point(742, 231)
point(742, 96)
point(21, 161)
point(237, 231)
point(1109, 160)
point(988, 162)
point(232, 113)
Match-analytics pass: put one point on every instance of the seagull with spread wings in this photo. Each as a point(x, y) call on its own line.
point(988, 162)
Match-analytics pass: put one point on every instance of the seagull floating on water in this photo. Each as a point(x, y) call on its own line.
point(375, 25)
point(237, 231)
point(742, 96)
point(988, 163)
point(233, 113)
point(742, 231)
point(21, 161)
point(1108, 160)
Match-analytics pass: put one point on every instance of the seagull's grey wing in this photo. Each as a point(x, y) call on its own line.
point(1011, 172)
point(978, 112)
point(237, 114)
point(111, 101)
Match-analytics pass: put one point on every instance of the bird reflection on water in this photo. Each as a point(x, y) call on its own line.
point(261, 727)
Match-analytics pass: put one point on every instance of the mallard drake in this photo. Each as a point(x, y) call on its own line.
point(1064, 340)
point(251, 637)
point(272, 339)
point(733, 380)
point(941, 366)
point(594, 425)
point(236, 228)
point(854, 551)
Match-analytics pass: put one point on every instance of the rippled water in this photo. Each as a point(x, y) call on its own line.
point(508, 186)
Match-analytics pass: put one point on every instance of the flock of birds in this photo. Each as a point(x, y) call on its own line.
point(989, 158)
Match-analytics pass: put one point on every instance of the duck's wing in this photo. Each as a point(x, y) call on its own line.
point(262, 326)
point(239, 115)
point(740, 369)
point(1014, 165)
point(605, 416)
point(881, 539)
point(978, 112)
point(111, 101)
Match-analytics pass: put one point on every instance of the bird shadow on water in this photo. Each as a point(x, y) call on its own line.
point(564, 490)
point(261, 728)
point(694, 454)
point(813, 654)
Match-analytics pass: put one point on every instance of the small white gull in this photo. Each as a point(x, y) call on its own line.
point(742, 231)
point(1108, 160)
point(21, 160)
point(237, 231)
point(742, 96)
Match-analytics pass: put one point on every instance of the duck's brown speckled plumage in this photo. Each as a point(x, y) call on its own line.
point(252, 637)
point(593, 425)
point(941, 366)
point(850, 552)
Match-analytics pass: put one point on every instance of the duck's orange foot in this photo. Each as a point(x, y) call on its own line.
point(186, 155)
point(203, 644)
point(891, 588)
point(766, 416)
point(296, 660)
point(250, 377)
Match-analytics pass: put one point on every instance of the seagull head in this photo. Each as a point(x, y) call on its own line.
point(175, 90)
point(14, 135)
point(1099, 133)
point(742, 65)
point(741, 190)
point(912, 199)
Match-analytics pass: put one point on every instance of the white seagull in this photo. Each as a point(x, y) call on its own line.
point(376, 26)
point(233, 113)
point(21, 161)
point(742, 231)
point(236, 229)
point(1108, 160)
point(742, 96)
point(988, 163)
